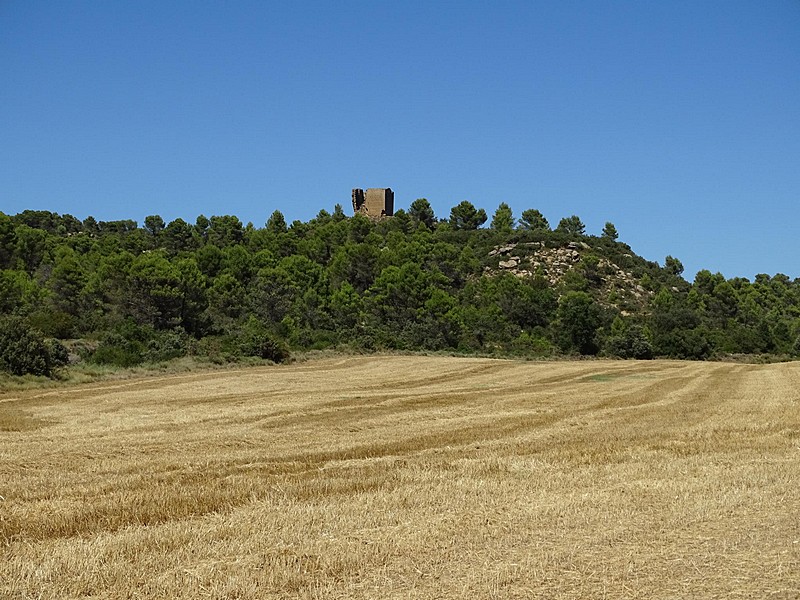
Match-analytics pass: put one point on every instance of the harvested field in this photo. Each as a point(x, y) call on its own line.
point(407, 477)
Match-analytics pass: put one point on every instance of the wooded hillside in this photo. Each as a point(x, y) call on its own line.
point(223, 289)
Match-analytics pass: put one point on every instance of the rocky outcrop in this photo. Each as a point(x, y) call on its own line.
point(537, 259)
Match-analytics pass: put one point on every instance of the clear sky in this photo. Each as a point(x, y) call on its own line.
point(678, 121)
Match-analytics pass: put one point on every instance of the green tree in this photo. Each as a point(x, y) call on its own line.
point(360, 227)
point(441, 324)
point(673, 266)
point(8, 241)
point(31, 247)
point(178, 236)
point(272, 295)
point(409, 282)
point(201, 226)
point(154, 225)
point(119, 228)
point(45, 220)
point(396, 302)
point(18, 291)
point(237, 261)
point(24, 350)
point(609, 232)
point(356, 264)
point(528, 302)
point(67, 285)
point(210, 260)
point(226, 302)
point(338, 214)
point(533, 220)
point(91, 226)
point(276, 223)
point(578, 319)
point(123, 346)
point(676, 328)
point(225, 230)
point(347, 309)
point(628, 340)
point(705, 282)
point(503, 219)
point(69, 225)
point(323, 217)
point(401, 222)
point(192, 294)
point(256, 339)
point(465, 216)
point(571, 225)
point(155, 295)
point(421, 212)
point(483, 305)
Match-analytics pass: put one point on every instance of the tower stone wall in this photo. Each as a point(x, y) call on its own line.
point(375, 203)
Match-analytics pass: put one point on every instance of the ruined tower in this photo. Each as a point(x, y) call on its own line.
point(376, 203)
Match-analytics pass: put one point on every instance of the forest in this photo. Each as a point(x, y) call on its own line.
point(116, 293)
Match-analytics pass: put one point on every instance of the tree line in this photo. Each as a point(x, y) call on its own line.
point(117, 293)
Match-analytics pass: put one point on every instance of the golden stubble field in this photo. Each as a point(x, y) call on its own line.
point(407, 477)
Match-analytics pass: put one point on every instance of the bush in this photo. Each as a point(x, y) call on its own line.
point(630, 343)
point(24, 350)
point(59, 355)
point(219, 349)
point(691, 344)
point(131, 344)
point(532, 345)
point(53, 323)
point(117, 350)
point(256, 340)
point(167, 345)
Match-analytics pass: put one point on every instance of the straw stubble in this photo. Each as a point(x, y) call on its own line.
point(407, 477)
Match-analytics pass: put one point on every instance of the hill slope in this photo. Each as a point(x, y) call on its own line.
point(222, 289)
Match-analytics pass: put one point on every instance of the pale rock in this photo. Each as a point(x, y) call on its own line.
point(510, 263)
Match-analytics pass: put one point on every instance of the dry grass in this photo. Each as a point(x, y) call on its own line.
point(407, 477)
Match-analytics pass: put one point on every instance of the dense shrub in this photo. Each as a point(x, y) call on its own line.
point(692, 344)
point(117, 350)
point(59, 355)
point(167, 345)
point(24, 350)
point(532, 345)
point(53, 323)
point(628, 341)
point(130, 344)
point(256, 340)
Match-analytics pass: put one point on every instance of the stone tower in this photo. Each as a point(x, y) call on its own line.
point(376, 203)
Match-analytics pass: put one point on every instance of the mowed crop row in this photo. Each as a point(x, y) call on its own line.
point(407, 477)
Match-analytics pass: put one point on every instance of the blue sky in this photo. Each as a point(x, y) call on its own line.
point(677, 121)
